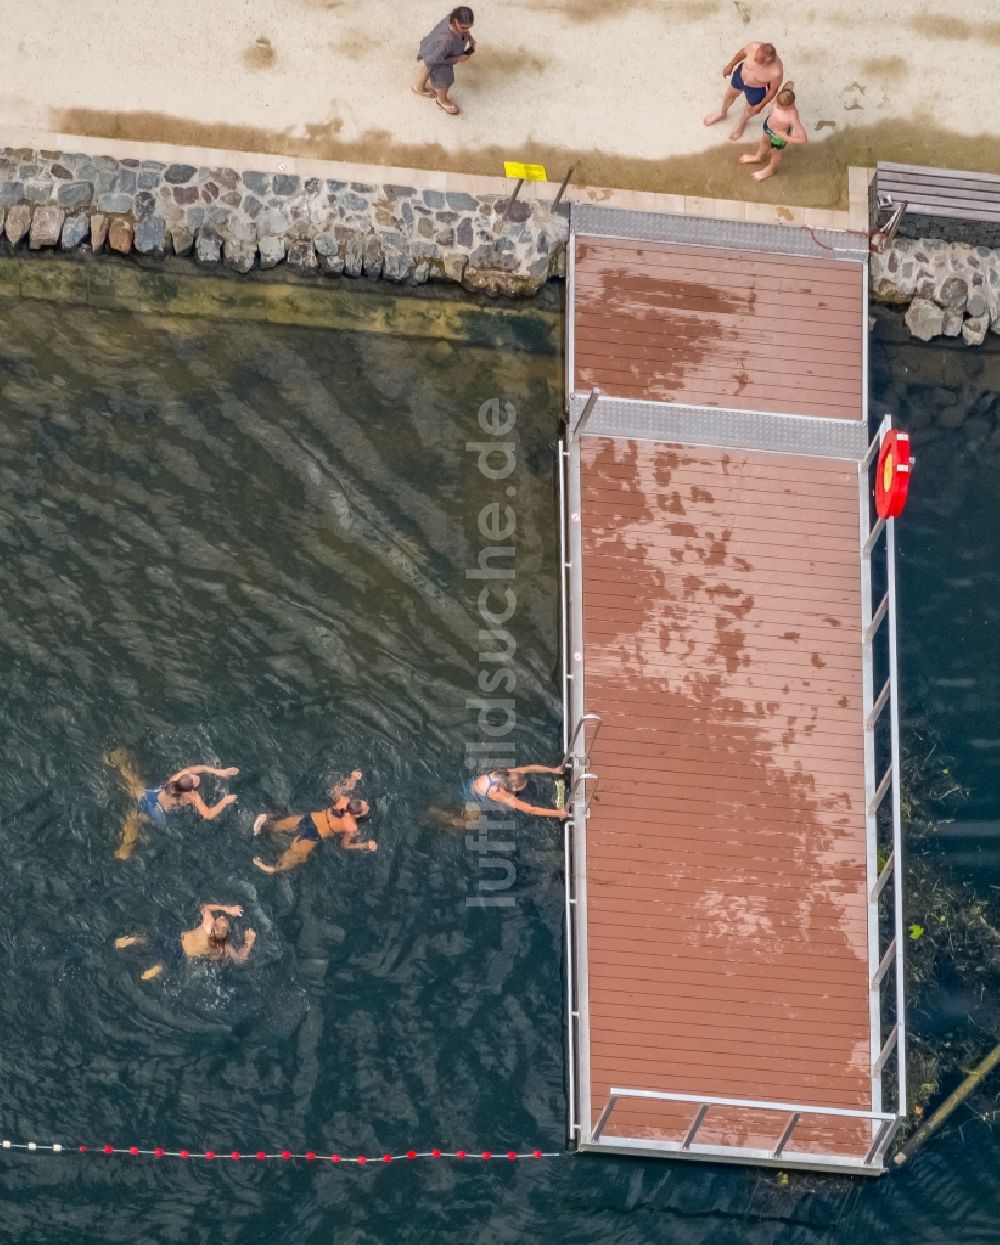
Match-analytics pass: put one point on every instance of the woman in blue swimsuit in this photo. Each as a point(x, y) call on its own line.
point(154, 803)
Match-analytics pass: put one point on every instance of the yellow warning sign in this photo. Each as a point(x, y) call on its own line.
point(529, 172)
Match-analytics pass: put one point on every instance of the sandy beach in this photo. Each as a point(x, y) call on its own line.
point(617, 89)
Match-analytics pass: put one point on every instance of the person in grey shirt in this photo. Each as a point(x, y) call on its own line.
point(449, 43)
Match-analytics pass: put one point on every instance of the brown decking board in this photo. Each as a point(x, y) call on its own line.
point(726, 903)
point(706, 327)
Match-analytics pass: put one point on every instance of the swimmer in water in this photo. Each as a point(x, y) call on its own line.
point(341, 817)
point(209, 940)
point(501, 786)
point(153, 803)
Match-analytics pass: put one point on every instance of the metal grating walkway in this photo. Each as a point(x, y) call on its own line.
point(602, 222)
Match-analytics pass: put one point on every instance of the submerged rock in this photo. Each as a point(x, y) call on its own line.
point(977, 430)
point(953, 416)
point(492, 281)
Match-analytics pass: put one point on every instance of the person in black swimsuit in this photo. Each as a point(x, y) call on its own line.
point(341, 817)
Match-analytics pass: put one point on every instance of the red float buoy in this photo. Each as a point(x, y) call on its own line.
point(892, 477)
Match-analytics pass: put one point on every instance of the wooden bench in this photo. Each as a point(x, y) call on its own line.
point(939, 192)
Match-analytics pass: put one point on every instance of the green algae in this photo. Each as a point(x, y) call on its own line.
point(321, 303)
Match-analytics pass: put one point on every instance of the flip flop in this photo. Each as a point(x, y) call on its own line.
point(453, 111)
point(425, 94)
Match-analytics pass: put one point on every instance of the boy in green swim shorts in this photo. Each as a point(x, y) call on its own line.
point(781, 127)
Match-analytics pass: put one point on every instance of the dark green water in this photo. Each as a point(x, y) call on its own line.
point(247, 545)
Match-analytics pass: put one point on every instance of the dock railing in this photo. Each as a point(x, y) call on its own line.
point(788, 1117)
point(882, 793)
point(571, 737)
point(580, 729)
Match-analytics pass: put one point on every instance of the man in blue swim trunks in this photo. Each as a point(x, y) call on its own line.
point(757, 72)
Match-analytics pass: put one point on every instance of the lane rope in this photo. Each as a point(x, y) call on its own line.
point(260, 1156)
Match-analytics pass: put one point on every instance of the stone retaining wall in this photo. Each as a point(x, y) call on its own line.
point(244, 220)
point(953, 289)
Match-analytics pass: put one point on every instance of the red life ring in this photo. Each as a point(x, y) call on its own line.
point(892, 479)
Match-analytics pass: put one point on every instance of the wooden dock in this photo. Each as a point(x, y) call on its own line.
point(733, 891)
